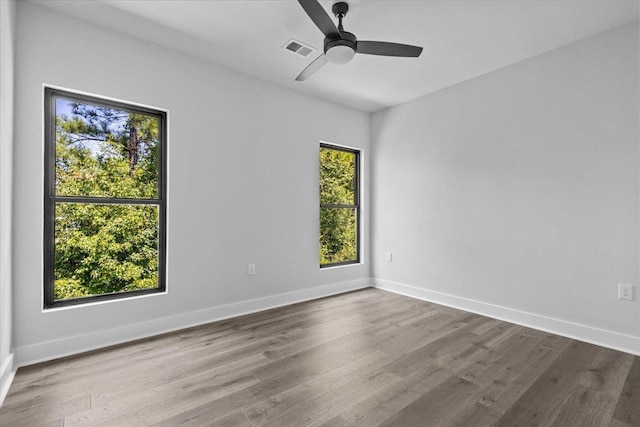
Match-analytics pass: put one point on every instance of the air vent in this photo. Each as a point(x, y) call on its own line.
point(298, 48)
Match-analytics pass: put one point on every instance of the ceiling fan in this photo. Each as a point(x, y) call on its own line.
point(340, 46)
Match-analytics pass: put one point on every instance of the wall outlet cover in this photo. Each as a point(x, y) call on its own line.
point(625, 291)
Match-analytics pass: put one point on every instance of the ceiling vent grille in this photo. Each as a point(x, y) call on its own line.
point(298, 48)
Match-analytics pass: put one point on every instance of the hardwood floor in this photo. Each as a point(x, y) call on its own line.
point(365, 358)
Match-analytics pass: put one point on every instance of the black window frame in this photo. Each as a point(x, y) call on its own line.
point(355, 206)
point(50, 197)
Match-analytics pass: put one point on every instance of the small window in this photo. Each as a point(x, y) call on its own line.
point(339, 206)
point(105, 199)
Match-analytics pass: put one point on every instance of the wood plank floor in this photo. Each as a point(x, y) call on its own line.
point(365, 358)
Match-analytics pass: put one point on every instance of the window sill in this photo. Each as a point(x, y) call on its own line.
point(355, 264)
point(106, 301)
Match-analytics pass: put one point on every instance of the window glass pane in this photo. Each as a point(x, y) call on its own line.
point(105, 152)
point(337, 177)
point(102, 249)
point(338, 239)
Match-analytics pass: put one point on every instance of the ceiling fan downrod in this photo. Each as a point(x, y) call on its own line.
point(340, 10)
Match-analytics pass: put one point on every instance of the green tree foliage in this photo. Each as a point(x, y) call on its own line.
point(105, 248)
point(338, 224)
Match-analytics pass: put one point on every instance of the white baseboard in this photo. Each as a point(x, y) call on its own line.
point(613, 340)
point(7, 372)
point(49, 350)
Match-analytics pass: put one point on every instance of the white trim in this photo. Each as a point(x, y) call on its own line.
point(7, 372)
point(41, 352)
point(362, 202)
point(601, 337)
point(54, 309)
point(348, 147)
point(49, 350)
point(95, 95)
point(355, 264)
point(165, 182)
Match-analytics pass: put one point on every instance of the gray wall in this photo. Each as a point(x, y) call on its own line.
point(519, 189)
point(7, 54)
point(243, 180)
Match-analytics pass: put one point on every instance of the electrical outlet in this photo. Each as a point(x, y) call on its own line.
point(625, 291)
point(251, 269)
point(389, 257)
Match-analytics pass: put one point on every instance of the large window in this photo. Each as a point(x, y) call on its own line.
point(105, 198)
point(339, 206)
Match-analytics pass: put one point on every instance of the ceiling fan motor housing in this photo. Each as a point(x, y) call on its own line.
point(342, 50)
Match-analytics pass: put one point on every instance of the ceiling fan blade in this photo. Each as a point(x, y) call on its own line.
point(312, 68)
point(320, 17)
point(388, 49)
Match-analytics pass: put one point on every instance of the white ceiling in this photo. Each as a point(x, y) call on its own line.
point(461, 39)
